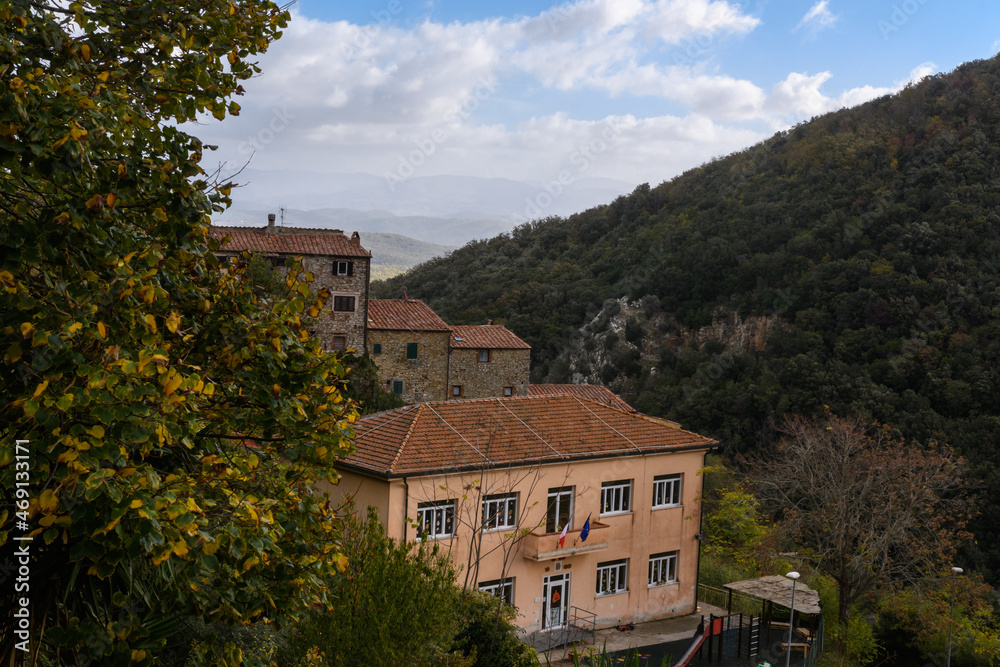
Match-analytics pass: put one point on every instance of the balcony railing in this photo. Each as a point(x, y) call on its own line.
point(545, 546)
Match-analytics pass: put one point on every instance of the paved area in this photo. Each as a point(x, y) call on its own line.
point(676, 629)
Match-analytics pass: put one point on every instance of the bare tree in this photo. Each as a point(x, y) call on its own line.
point(870, 510)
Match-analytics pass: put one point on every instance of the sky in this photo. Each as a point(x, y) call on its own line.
point(539, 92)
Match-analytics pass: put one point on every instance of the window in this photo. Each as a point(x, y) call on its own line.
point(500, 511)
point(484, 356)
point(377, 348)
point(560, 510)
point(435, 519)
point(502, 588)
point(397, 386)
point(411, 350)
point(456, 390)
point(275, 262)
point(343, 268)
point(663, 568)
point(616, 497)
point(508, 391)
point(612, 577)
point(666, 490)
point(339, 342)
point(344, 304)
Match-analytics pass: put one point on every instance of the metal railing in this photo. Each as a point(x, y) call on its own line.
point(719, 597)
point(581, 626)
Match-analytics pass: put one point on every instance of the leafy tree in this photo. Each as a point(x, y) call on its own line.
point(871, 511)
point(174, 418)
point(734, 527)
point(397, 604)
point(913, 625)
point(488, 633)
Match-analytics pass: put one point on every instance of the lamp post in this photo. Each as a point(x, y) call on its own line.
point(955, 571)
point(794, 576)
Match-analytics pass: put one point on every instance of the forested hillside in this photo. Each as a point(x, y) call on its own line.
point(852, 261)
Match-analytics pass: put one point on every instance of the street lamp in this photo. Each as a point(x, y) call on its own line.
point(794, 576)
point(955, 571)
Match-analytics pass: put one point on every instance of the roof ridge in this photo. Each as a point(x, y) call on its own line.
point(406, 438)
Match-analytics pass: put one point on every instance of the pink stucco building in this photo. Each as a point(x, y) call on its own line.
point(506, 486)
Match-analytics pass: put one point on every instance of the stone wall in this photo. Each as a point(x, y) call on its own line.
point(506, 368)
point(349, 324)
point(424, 378)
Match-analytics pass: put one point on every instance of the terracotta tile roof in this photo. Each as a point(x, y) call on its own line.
point(593, 392)
point(447, 436)
point(289, 243)
point(494, 336)
point(403, 315)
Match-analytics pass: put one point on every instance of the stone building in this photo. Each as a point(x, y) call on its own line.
point(487, 360)
point(338, 263)
point(409, 344)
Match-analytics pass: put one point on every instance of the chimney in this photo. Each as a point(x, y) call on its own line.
point(356, 239)
point(489, 322)
point(270, 223)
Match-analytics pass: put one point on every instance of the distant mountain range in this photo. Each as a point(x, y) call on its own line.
point(447, 210)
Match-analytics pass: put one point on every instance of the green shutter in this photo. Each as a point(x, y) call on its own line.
point(411, 350)
point(377, 348)
point(397, 386)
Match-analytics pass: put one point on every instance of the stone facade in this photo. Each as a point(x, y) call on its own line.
point(409, 344)
point(504, 374)
point(424, 378)
point(338, 264)
point(487, 360)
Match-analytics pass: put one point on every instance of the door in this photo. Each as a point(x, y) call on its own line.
point(555, 601)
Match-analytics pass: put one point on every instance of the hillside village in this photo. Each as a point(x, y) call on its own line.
point(608, 499)
point(749, 416)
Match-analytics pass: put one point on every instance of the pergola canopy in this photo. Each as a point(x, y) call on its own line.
point(778, 590)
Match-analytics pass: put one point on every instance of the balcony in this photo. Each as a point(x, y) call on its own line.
point(540, 546)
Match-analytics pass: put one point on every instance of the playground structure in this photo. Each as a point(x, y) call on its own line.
point(740, 639)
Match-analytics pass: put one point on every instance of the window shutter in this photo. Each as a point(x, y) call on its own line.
point(350, 268)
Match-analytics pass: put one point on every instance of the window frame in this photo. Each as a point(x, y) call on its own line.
point(620, 502)
point(415, 349)
point(347, 266)
point(555, 493)
point(501, 588)
point(456, 391)
point(446, 509)
point(508, 392)
point(484, 352)
point(665, 561)
point(395, 384)
point(508, 502)
point(334, 346)
point(376, 349)
point(672, 484)
point(341, 300)
point(614, 571)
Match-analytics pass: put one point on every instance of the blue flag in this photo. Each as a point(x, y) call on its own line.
point(586, 529)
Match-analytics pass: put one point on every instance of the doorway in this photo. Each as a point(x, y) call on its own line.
point(555, 601)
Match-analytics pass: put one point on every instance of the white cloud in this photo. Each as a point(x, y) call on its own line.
point(334, 96)
point(818, 17)
point(920, 71)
